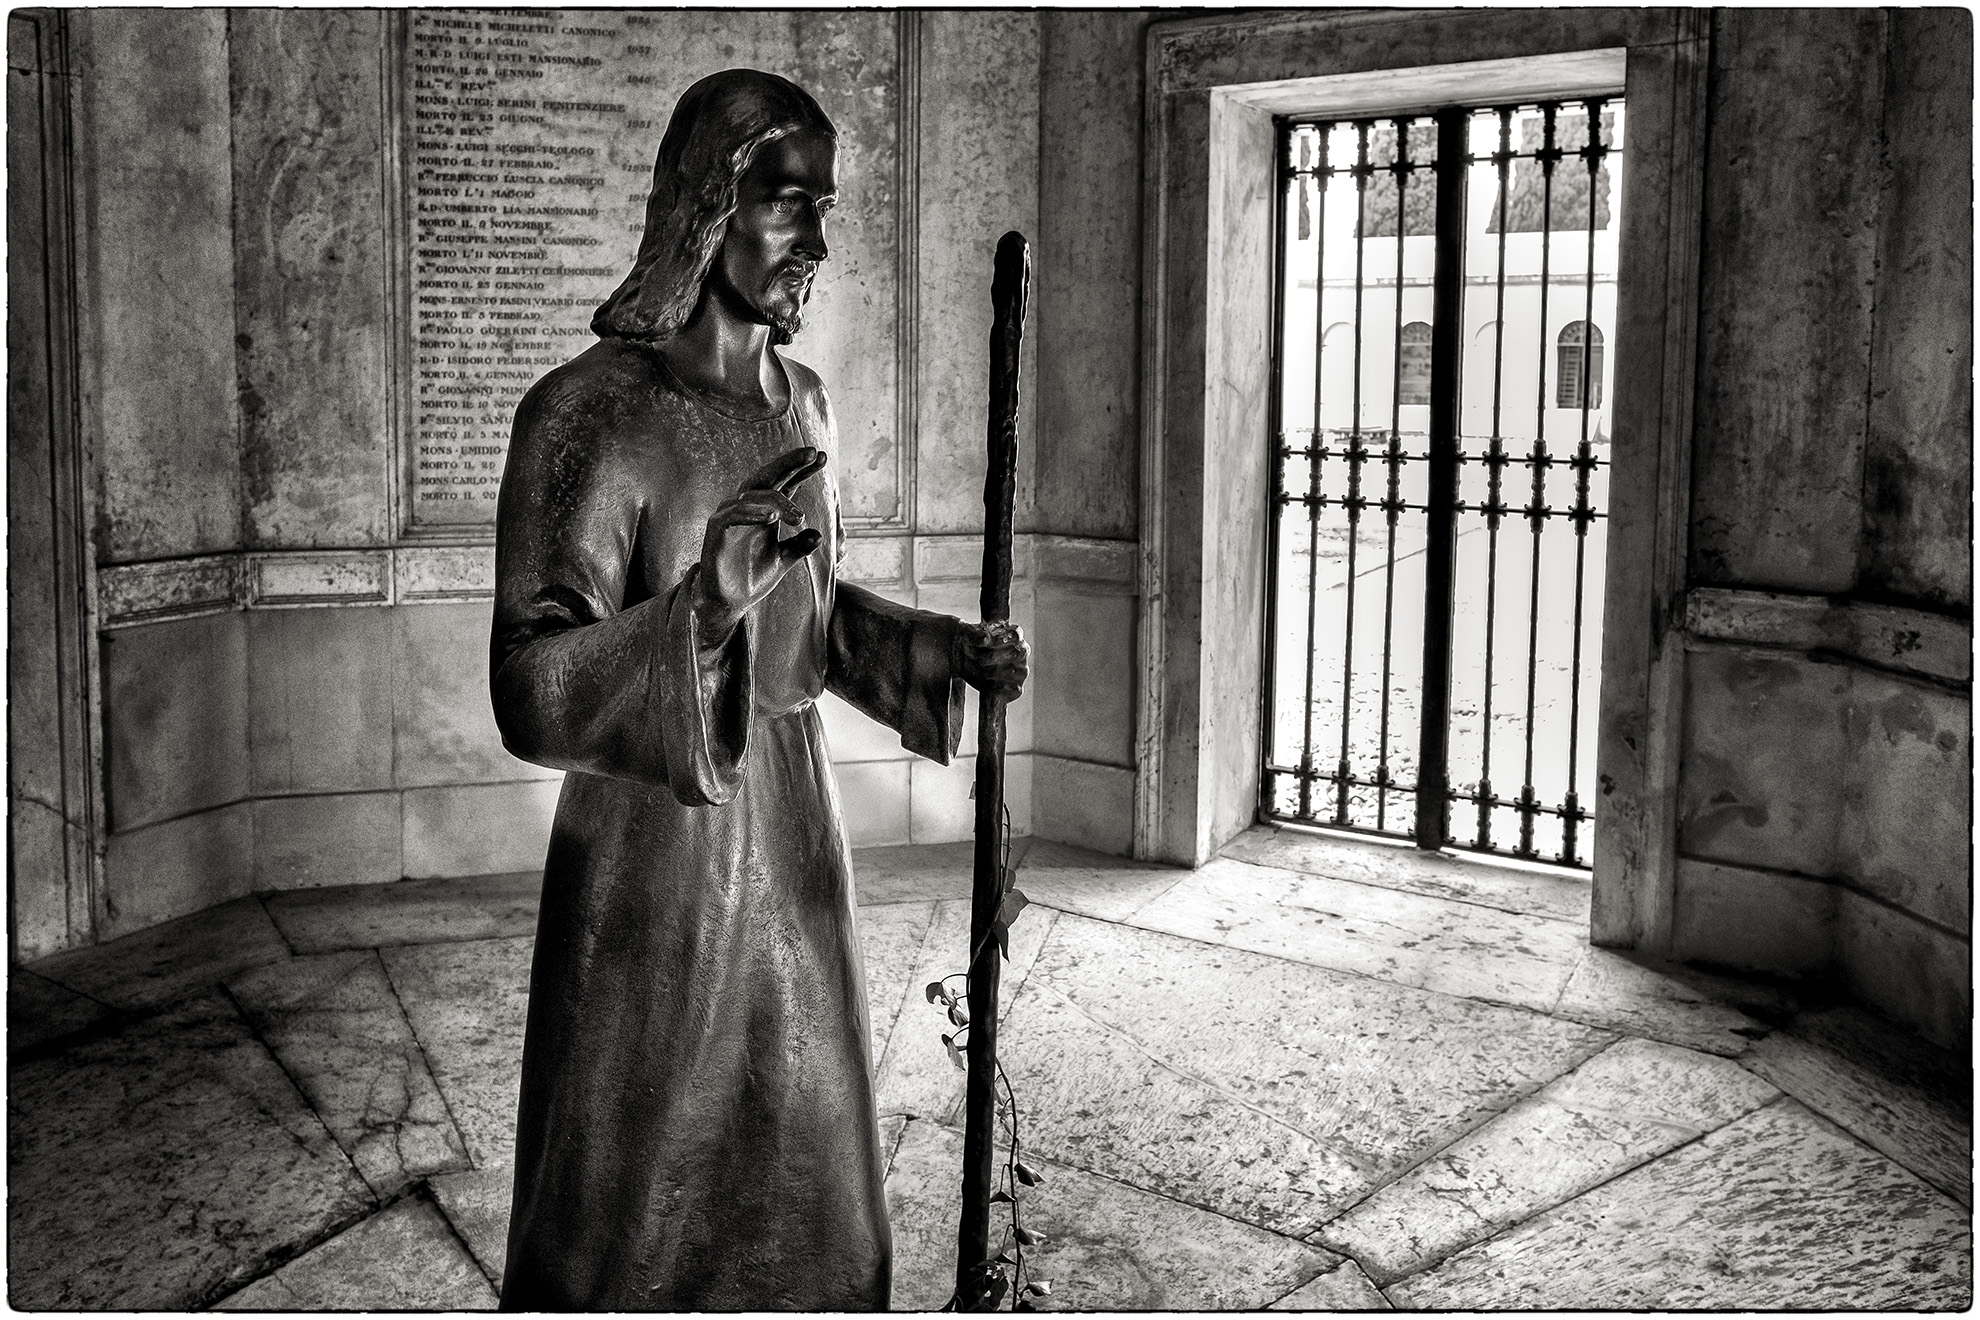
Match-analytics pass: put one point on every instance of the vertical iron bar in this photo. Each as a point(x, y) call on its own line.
point(1394, 463)
point(1536, 512)
point(1495, 466)
point(1440, 548)
point(1316, 457)
point(1355, 455)
point(1584, 460)
point(1281, 451)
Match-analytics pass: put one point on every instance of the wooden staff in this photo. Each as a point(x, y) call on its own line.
point(1010, 287)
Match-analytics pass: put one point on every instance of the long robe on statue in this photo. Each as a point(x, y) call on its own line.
point(697, 1125)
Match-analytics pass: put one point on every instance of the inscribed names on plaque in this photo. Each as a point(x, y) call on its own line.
point(530, 150)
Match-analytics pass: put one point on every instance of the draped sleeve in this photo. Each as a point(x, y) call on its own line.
point(589, 670)
point(895, 664)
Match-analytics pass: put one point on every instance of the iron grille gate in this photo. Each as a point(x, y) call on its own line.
point(1451, 333)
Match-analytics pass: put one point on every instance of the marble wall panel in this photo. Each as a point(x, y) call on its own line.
point(310, 250)
point(477, 829)
point(1918, 460)
point(1761, 775)
point(1910, 971)
point(320, 699)
point(174, 718)
point(175, 868)
point(326, 839)
point(1740, 918)
point(1082, 803)
point(154, 278)
point(1083, 675)
point(979, 178)
point(1906, 832)
point(1088, 296)
point(1788, 260)
point(873, 796)
point(443, 724)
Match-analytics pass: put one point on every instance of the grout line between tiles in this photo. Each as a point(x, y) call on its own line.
point(432, 1197)
point(426, 1060)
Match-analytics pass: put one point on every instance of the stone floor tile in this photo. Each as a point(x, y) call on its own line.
point(467, 1003)
point(916, 1077)
point(1108, 1246)
point(172, 960)
point(1885, 1086)
point(1667, 1004)
point(339, 1031)
point(1410, 939)
point(1093, 884)
point(476, 1203)
point(474, 907)
point(1343, 1288)
point(916, 872)
point(39, 1011)
point(890, 936)
point(162, 1163)
point(1564, 897)
point(1776, 1210)
point(1622, 1108)
point(1357, 1078)
point(403, 1258)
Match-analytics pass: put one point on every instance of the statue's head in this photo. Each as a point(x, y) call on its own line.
point(719, 128)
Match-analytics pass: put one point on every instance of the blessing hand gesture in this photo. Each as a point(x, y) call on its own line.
point(741, 558)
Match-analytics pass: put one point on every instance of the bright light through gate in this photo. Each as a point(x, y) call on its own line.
point(1441, 474)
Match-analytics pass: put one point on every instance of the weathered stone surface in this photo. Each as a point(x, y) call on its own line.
point(174, 718)
point(1739, 917)
point(1093, 884)
point(39, 1011)
point(1678, 1008)
point(162, 1163)
point(1918, 454)
point(890, 938)
point(1343, 1288)
point(178, 867)
point(1787, 265)
point(1906, 833)
point(474, 907)
point(476, 1202)
point(320, 700)
point(310, 259)
point(1088, 295)
point(317, 839)
point(1271, 1091)
point(891, 1128)
point(1083, 674)
point(477, 829)
point(1429, 943)
point(1779, 1210)
point(467, 1004)
point(1907, 969)
point(916, 1076)
point(1438, 875)
point(443, 725)
point(1624, 1107)
point(155, 280)
point(1107, 1246)
point(1885, 1087)
point(169, 961)
point(1761, 779)
point(979, 177)
point(873, 795)
point(340, 1033)
point(404, 1258)
point(1081, 803)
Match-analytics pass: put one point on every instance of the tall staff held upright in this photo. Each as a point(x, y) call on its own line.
point(1009, 290)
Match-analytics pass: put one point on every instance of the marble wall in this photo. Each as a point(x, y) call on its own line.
point(1824, 826)
point(295, 694)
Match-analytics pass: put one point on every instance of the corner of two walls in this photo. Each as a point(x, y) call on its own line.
point(1824, 830)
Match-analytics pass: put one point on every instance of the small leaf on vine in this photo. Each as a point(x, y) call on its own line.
point(1005, 1256)
point(959, 1015)
point(984, 1287)
point(1023, 1304)
point(955, 1055)
point(1039, 1287)
point(1026, 1175)
point(1001, 1195)
point(1026, 1237)
point(936, 991)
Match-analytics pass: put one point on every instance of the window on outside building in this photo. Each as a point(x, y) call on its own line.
point(1414, 384)
point(1579, 360)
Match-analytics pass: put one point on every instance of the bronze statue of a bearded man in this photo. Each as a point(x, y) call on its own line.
point(697, 1124)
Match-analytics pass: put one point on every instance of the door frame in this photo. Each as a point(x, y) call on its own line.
point(1213, 86)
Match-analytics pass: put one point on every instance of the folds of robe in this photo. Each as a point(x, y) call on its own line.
point(696, 1128)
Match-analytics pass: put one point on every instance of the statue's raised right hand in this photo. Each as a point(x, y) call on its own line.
point(741, 557)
